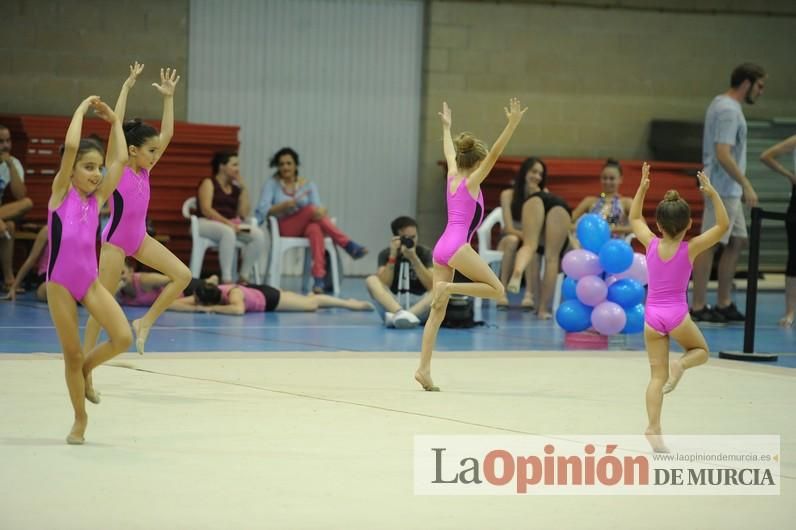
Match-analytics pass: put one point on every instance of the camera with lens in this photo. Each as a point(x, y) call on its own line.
point(408, 242)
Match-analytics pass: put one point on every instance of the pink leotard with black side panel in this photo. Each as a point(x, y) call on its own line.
point(465, 215)
point(253, 299)
point(667, 304)
point(129, 204)
point(72, 243)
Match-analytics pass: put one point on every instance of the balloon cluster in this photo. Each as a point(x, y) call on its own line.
point(604, 287)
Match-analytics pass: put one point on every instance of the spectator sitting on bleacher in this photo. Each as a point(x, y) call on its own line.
point(223, 208)
point(545, 222)
point(610, 205)
point(39, 256)
point(12, 176)
point(403, 255)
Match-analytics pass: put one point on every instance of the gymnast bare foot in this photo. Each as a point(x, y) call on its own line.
point(514, 282)
point(527, 303)
point(91, 394)
point(675, 373)
point(655, 439)
point(359, 305)
point(76, 435)
point(441, 295)
point(543, 314)
point(141, 333)
point(786, 321)
point(424, 378)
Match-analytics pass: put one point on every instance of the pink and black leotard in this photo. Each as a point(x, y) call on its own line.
point(72, 243)
point(465, 215)
point(667, 304)
point(129, 204)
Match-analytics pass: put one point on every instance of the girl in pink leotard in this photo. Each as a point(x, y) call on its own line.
point(670, 260)
point(125, 234)
point(78, 192)
point(469, 163)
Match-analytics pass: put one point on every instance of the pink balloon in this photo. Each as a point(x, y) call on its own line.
point(612, 279)
point(579, 263)
point(591, 290)
point(608, 318)
point(637, 271)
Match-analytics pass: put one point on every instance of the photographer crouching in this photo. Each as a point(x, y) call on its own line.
point(402, 286)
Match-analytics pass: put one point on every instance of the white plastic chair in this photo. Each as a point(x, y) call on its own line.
point(202, 244)
point(280, 245)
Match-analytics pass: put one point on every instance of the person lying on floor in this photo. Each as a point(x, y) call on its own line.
point(232, 299)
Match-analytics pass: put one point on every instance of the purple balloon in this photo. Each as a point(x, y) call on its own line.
point(579, 263)
point(610, 280)
point(608, 318)
point(637, 271)
point(591, 290)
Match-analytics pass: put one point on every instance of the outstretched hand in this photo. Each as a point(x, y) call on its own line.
point(704, 183)
point(168, 82)
point(513, 113)
point(445, 115)
point(645, 177)
point(88, 103)
point(135, 71)
point(102, 110)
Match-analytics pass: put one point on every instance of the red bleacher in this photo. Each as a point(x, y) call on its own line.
point(36, 140)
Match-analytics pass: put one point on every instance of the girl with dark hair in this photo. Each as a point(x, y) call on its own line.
point(232, 299)
point(295, 202)
point(78, 192)
point(223, 205)
point(469, 163)
point(545, 219)
point(125, 234)
point(670, 261)
point(769, 158)
point(511, 201)
point(610, 205)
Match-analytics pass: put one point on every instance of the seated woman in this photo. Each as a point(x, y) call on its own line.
point(294, 201)
point(511, 201)
point(231, 299)
point(545, 218)
point(223, 203)
point(38, 257)
point(609, 205)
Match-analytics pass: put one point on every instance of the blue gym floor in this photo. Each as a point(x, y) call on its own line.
point(25, 327)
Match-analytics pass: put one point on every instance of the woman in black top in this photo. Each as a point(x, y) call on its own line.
point(545, 219)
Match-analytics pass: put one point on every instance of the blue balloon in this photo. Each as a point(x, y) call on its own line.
point(568, 289)
point(635, 319)
point(593, 232)
point(573, 316)
point(626, 292)
point(616, 256)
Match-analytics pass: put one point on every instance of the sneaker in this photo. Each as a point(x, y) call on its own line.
point(730, 313)
point(405, 320)
point(318, 285)
point(389, 319)
point(354, 250)
point(707, 315)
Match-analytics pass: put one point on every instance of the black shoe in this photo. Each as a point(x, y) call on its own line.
point(730, 313)
point(707, 315)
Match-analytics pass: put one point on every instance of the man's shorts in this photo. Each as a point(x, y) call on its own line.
point(735, 212)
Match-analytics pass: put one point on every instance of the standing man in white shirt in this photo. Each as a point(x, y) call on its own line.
point(12, 176)
point(724, 158)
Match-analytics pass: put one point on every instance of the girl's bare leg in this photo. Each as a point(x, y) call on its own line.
point(688, 335)
point(532, 224)
point(154, 255)
point(508, 245)
point(441, 273)
point(658, 354)
point(103, 307)
point(63, 310)
point(556, 233)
